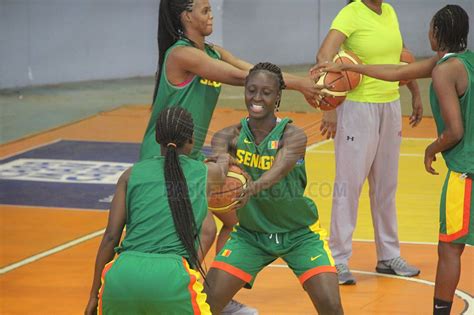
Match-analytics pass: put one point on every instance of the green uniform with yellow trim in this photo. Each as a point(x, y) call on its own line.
point(278, 221)
point(151, 274)
point(457, 196)
point(198, 96)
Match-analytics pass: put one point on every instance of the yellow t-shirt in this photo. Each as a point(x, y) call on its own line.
point(375, 39)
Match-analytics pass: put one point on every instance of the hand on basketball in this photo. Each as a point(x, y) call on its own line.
point(417, 113)
point(241, 200)
point(430, 157)
point(312, 92)
point(91, 308)
point(328, 66)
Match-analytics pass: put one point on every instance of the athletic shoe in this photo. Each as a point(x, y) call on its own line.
point(237, 308)
point(397, 266)
point(345, 275)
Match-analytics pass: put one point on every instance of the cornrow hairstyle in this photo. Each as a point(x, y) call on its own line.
point(175, 126)
point(270, 67)
point(170, 29)
point(450, 28)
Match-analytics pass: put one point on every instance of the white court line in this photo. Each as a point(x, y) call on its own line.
point(467, 298)
point(50, 251)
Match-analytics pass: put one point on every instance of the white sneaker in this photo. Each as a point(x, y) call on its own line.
point(397, 266)
point(236, 308)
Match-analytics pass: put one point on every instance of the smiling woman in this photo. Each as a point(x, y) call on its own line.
point(275, 219)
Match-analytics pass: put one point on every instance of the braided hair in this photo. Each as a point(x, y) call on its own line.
point(274, 69)
point(170, 29)
point(174, 128)
point(450, 28)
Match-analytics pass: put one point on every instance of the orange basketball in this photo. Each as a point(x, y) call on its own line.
point(220, 198)
point(346, 80)
point(405, 58)
point(340, 82)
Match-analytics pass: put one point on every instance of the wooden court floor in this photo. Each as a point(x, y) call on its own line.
point(47, 254)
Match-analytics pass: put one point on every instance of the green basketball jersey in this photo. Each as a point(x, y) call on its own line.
point(198, 96)
point(149, 224)
point(282, 207)
point(459, 158)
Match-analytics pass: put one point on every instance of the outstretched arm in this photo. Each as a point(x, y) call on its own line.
point(191, 60)
point(415, 70)
point(292, 149)
point(111, 238)
point(445, 78)
point(304, 85)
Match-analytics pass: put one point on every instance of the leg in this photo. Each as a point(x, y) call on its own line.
point(208, 235)
point(383, 179)
point(354, 155)
point(220, 288)
point(448, 271)
point(323, 290)
point(228, 219)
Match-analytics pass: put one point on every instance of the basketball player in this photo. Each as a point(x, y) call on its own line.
point(163, 203)
point(452, 104)
point(277, 220)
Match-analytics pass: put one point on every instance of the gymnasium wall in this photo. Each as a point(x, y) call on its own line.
point(54, 41)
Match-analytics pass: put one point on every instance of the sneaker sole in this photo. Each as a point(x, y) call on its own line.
point(391, 272)
point(348, 282)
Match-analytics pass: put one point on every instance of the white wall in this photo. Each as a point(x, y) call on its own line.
point(54, 41)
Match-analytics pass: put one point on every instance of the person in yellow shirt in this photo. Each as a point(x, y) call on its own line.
point(367, 132)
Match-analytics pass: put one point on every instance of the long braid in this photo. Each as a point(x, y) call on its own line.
point(174, 127)
point(170, 29)
point(270, 67)
point(451, 27)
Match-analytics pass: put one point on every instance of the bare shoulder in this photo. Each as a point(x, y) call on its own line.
point(448, 69)
point(125, 176)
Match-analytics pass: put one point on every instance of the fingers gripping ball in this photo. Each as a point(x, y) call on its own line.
point(405, 58)
point(340, 83)
point(221, 198)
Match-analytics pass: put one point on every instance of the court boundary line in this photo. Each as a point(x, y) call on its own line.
point(29, 149)
point(56, 208)
point(51, 251)
point(464, 296)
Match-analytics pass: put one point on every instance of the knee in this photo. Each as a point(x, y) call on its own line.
point(450, 250)
point(330, 306)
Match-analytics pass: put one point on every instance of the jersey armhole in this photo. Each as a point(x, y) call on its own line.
point(181, 85)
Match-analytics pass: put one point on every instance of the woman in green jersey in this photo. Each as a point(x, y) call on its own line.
point(275, 219)
point(452, 104)
point(162, 202)
point(190, 73)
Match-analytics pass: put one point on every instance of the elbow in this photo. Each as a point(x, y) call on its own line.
point(458, 134)
point(111, 238)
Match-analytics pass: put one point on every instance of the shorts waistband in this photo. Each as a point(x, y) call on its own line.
point(151, 255)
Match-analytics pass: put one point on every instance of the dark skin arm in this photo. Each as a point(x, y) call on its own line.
point(110, 240)
point(304, 85)
point(416, 70)
point(449, 82)
point(217, 171)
